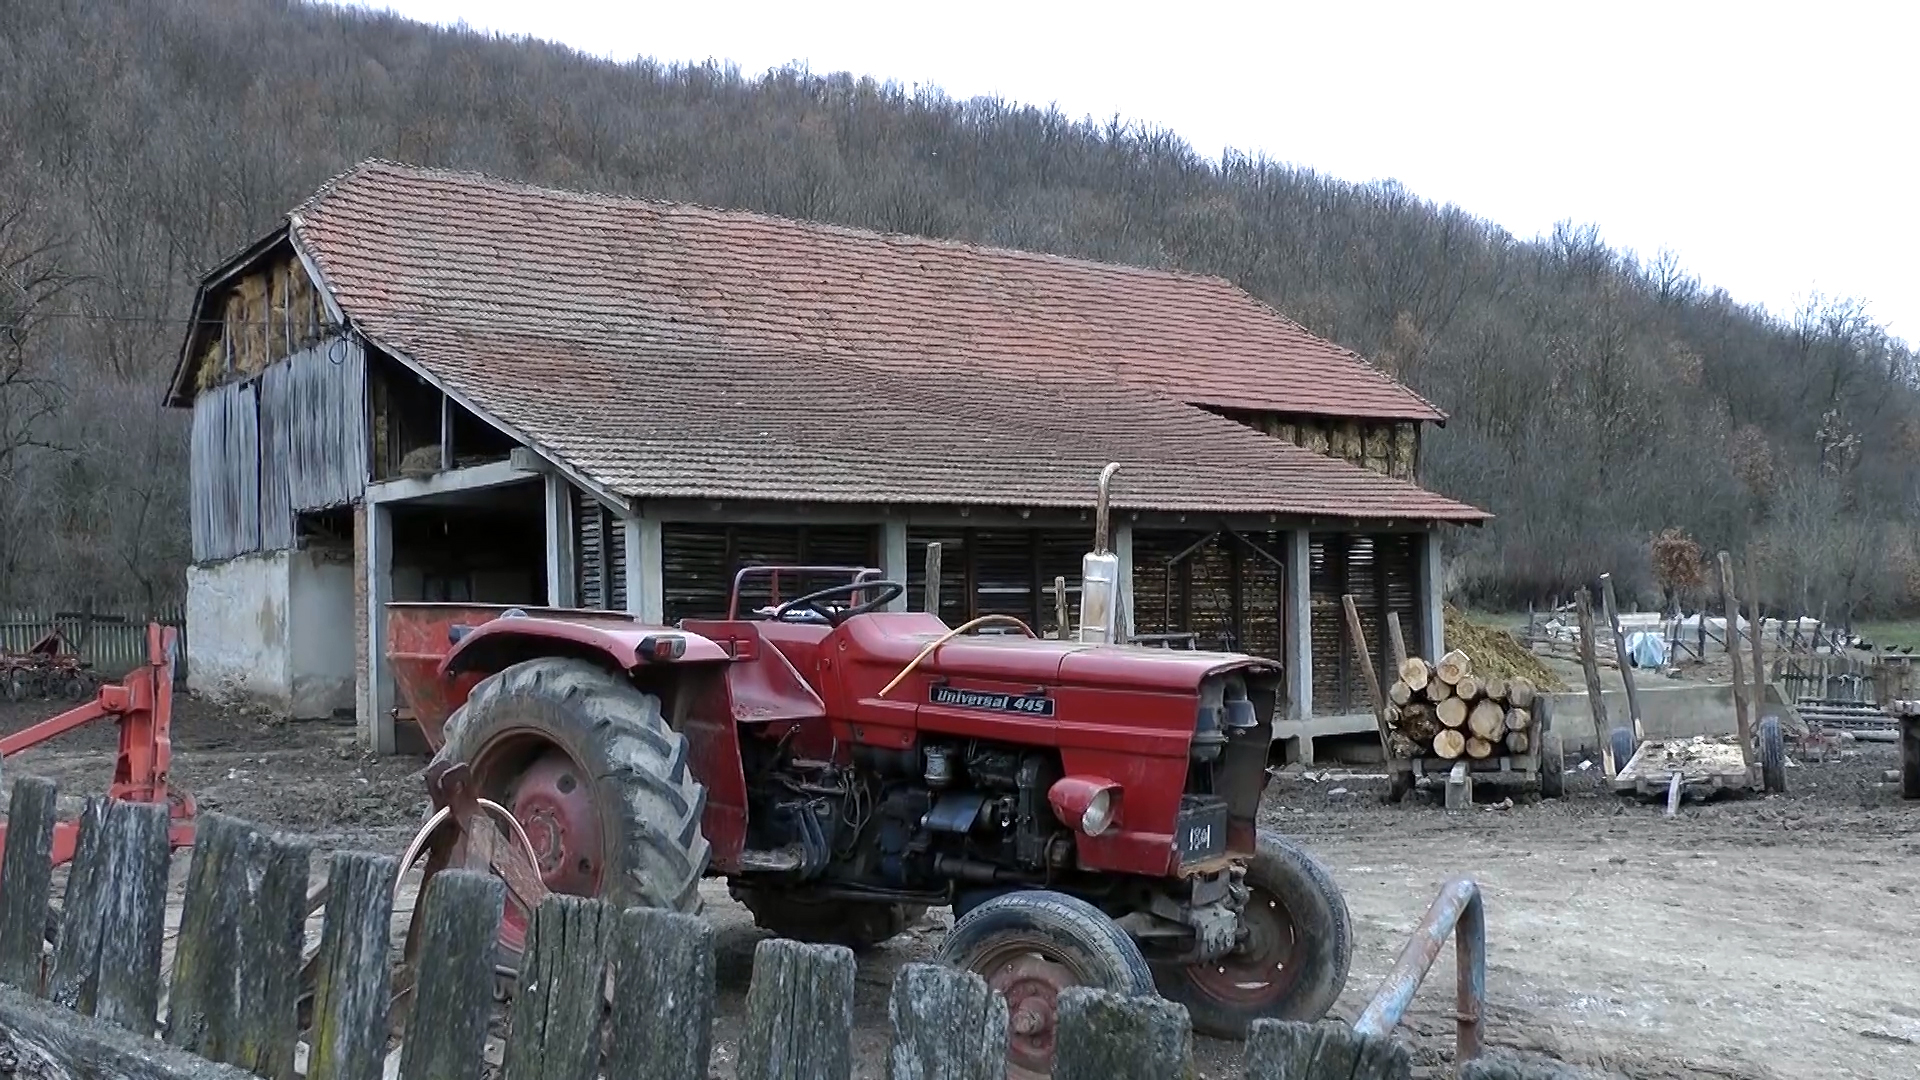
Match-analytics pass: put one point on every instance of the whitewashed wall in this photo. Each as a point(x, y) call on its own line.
point(320, 634)
point(237, 630)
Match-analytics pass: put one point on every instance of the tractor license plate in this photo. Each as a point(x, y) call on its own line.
point(1200, 833)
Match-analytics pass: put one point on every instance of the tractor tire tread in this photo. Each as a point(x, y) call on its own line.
point(649, 800)
point(1070, 923)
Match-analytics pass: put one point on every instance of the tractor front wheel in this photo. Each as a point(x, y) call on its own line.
point(1029, 946)
point(589, 767)
point(1293, 962)
point(798, 917)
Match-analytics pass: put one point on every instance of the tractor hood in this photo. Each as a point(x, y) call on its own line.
point(898, 638)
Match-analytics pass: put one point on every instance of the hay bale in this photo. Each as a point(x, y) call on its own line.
point(1496, 652)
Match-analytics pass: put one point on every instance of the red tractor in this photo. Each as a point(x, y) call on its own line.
point(1087, 810)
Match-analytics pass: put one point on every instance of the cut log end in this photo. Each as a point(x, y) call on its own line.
point(1419, 723)
point(1449, 743)
point(1519, 720)
point(1453, 667)
point(1416, 673)
point(1487, 721)
point(1518, 742)
point(1399, 693)
point(1452, 712)
point(1494, 687)
point(1520, 692)
point(1468, 687)
point(1478, 747)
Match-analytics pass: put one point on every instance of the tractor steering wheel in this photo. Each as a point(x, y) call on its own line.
point(888, 591)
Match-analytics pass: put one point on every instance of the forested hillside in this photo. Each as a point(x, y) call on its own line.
point(1596, 399)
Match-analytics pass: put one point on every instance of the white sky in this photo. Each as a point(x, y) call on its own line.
point(1773, 146)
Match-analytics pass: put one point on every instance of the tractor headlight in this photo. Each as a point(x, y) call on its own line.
point(1098, 814)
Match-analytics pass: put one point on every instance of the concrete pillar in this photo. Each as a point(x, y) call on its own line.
point(1299, 659)
point(561, 585)
point(1123, 547)
point(646, 570)
point(1433, 622)
point(893, 558)
point(376, 723)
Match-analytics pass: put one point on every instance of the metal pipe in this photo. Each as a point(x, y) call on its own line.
point(1100, 509)
point(1458, 913)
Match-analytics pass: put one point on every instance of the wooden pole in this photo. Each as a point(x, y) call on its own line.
point(1620, 655)
point(932, 601)
point(1061, 612)
point(1583, 602)
point(1358, 634)
point(1753, 632)
point(1733, 654)
point(1398, 642)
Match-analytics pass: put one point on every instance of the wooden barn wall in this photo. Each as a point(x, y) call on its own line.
point(998, 572)
point(701, 560)
point(1226, 588)
point(1390, 447)
point(599, 555)
point(224, 463)
point(266, 449)
point(1382, 572)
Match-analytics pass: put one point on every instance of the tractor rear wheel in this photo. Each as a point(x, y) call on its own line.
point(1294, 961)
point(601, 784)
point(858, 926)
point(1031, 945)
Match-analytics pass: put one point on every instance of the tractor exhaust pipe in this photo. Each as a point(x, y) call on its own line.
point(1100, 574)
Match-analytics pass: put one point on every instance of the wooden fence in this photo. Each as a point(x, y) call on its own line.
point(110, 642)
point(94, 1006)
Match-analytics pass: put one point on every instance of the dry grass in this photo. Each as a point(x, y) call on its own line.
point(1497, 652)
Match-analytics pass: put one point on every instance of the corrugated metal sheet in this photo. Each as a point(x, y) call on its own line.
point(225, 465)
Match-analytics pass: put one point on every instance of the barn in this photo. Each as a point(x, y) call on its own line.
point(431, 385)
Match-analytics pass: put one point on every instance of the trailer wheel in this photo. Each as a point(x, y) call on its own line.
point(1294, 962)
point(1773, 756)
point(1553, 767)
point(1031, 945)
point(858, 926)
point(589, 766)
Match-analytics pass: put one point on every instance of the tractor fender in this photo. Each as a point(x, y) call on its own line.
point(502, 642)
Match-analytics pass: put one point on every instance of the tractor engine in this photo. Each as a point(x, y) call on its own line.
point(911, 821)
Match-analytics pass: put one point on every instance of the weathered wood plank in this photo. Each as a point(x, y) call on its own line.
point(353, 980)
point(236, 963)
point(1289, 1050)
point(1104, 1036)
point(58, 1044)
point(947, 1025)
point(26, 881)
point(447, 1029)
point(556, 1013)
point(799, 1013)
point(76, 955)
point(136, 855)
point(663, 997)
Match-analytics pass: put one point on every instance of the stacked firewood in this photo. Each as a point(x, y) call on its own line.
point(1444, 710)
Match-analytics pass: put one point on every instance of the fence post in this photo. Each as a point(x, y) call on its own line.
point(453, 990)
point(26, 881)
point(353, 981)
point(236, 966)
point(663, 997)
point(1290, 1050)
point(799, 1013)
point(947, 1025)
point(108, 960)
point(556, 1013)
point(1100, 1035)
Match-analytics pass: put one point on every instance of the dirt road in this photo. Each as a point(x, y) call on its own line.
point(1763, 938)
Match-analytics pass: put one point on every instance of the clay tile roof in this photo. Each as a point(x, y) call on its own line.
point(672, 350)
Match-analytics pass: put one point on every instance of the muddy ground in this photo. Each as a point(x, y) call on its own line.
point(1761, 937)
